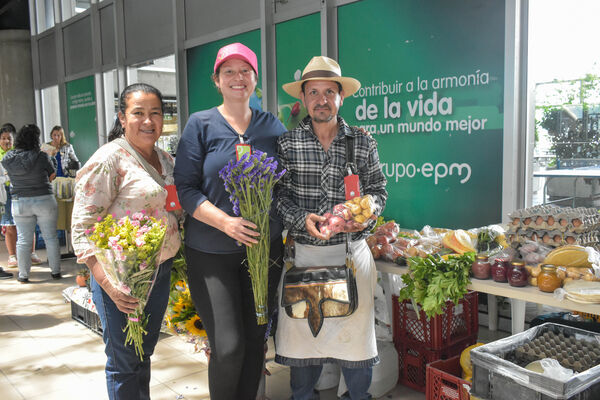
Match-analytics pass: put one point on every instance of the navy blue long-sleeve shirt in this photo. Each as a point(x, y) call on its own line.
point(206, 145)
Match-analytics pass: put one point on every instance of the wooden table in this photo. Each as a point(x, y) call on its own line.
point(519, 296)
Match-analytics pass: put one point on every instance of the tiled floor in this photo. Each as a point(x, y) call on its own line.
point(44, 354)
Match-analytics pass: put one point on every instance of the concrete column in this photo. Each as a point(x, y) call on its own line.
point(17, 104)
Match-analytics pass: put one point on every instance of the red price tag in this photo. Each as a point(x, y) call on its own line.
point(172, 202)
point(351, 184)
point(241, 149)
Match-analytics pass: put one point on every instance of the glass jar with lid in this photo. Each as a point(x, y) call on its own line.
point(481, 268)
point(517, 274)
point(499, 269)
point(548, 280)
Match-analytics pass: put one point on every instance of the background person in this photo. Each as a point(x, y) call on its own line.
point(3, 189)
point(218, 276)
point(62, 151)
point(30, 171)
point(314, 155)
point(7, 133)
point(7, 222)
point(113, 181)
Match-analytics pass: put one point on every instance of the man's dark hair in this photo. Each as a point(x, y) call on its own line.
point(28, 138)
point(339, 86)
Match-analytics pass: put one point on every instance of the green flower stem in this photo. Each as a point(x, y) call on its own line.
point(135, 331)
point(251, 185)
point(255, 206)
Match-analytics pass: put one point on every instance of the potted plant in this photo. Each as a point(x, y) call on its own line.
point(82, 277)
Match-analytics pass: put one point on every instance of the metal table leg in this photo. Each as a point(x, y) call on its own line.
point(517, 315)
point(492, 312)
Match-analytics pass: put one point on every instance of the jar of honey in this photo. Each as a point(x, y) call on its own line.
point(517, 274)
point(548, 280)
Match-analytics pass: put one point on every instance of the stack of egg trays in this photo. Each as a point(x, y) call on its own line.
point(554, 226)
point(495, 378)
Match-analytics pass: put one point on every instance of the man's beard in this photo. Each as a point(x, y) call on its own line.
point(322, 120)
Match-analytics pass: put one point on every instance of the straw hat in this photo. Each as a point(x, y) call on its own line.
point(322, 68)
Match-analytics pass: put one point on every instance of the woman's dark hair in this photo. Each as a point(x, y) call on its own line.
point(117, 130)
point(28, 138)
point(8, 127)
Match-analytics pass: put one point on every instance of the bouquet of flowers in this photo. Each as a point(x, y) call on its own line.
point(129, 251)
point(250, 183)
point(181, 317)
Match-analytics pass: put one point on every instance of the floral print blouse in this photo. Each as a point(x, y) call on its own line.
point(113, 181)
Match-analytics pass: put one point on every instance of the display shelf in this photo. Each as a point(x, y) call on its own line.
point(519, 295)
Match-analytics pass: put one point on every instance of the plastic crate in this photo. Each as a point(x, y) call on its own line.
point(497, 378)
point(86, 317)
point(413, 360)
point(444, 381)
point(453, 326)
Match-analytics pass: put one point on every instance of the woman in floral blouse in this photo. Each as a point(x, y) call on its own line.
point(113, 181)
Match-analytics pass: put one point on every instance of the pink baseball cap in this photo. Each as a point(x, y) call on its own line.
point(239, 51)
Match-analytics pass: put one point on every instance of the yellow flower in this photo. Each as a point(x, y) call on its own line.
point(179, 306)
point(195, 327)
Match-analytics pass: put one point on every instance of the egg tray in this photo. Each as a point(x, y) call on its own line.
point(554, 238)
point(499, 373)
point(548, 218)
point(570, 352)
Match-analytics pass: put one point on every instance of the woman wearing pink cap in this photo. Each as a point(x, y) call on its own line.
point(219, 281)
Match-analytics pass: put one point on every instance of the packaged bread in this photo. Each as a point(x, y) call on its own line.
point(576, 273)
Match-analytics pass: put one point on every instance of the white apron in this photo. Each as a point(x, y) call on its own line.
point(349, 341)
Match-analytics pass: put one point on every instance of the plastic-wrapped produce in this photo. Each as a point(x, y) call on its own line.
point(350, 216)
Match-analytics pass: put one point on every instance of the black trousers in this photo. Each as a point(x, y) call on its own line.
point(221, 290)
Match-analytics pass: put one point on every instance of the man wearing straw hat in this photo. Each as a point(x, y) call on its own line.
point(315, 157)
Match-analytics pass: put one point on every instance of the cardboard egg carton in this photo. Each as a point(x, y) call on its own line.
point(553, 238)
point(551, 218)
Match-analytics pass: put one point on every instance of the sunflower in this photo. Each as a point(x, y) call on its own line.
point(179, 306)
point(195, 327)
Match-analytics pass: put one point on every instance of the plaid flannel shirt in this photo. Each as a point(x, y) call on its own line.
point(314, 181)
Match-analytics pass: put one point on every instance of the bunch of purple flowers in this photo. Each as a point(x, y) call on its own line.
point(250, 183)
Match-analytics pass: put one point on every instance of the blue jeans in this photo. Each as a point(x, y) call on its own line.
point(27, 212)
point(7, 218)
point(128, 378)
point(304, 379)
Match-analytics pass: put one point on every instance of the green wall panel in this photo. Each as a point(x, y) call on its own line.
point(432, 75)
point(202, 93)
point(81, 114)
point(298, 40)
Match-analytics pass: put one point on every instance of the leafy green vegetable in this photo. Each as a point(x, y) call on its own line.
point(486, 240)
point(432, 281)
